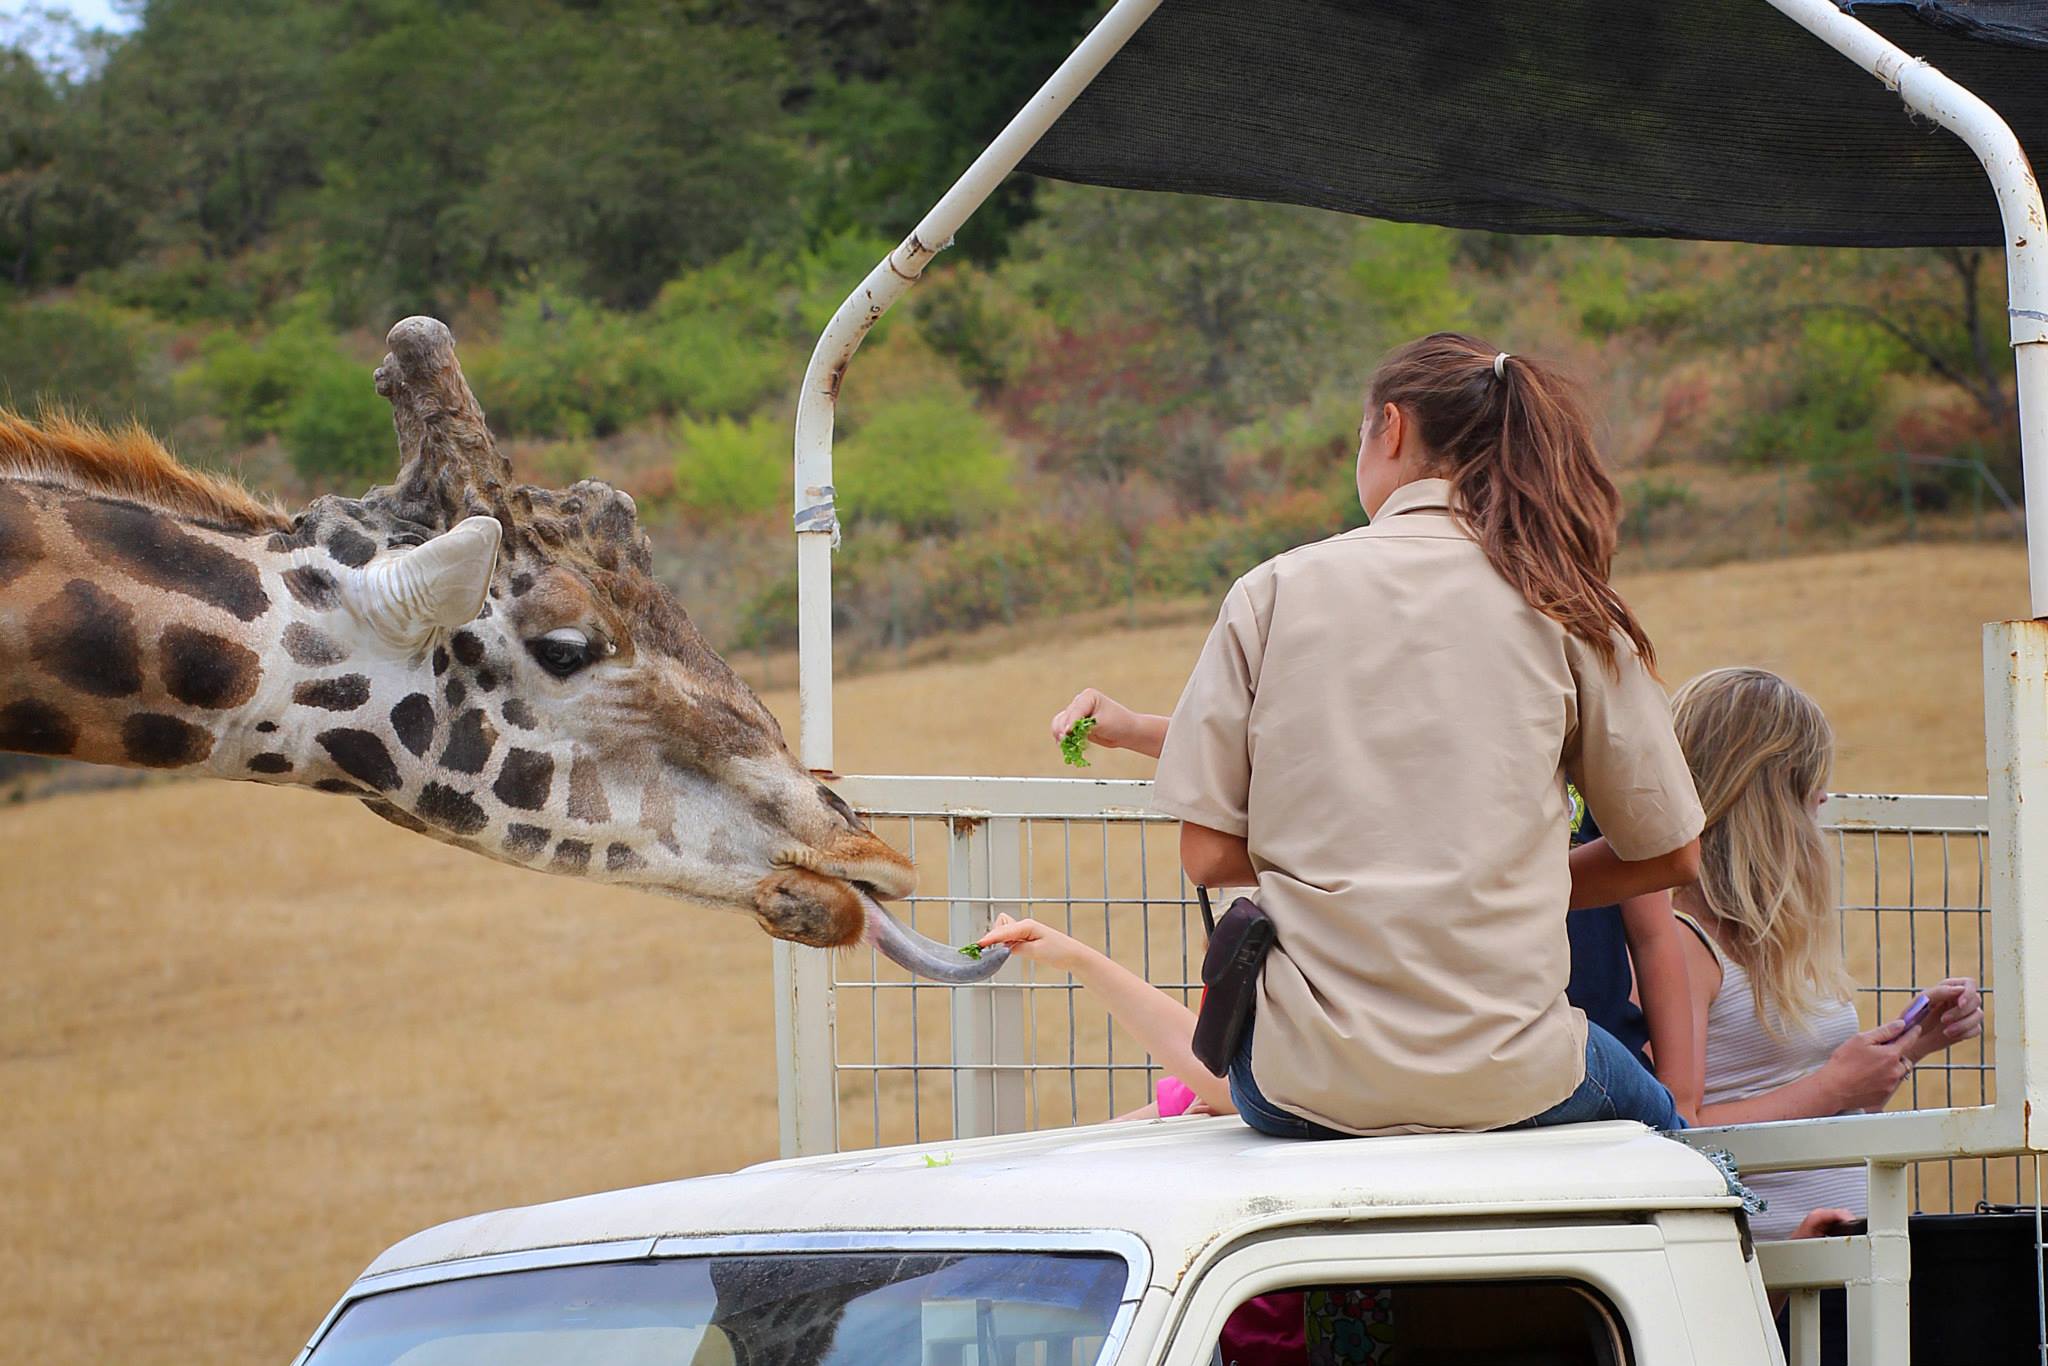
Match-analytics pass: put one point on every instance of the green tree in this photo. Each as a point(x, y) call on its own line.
point(649, 144)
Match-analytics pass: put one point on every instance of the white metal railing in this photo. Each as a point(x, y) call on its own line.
point(905, 1060)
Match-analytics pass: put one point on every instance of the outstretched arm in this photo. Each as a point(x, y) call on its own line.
point(1162, 1025)
point(1116, 725)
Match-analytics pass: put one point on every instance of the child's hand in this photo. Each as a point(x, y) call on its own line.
point(1034, 942)
point(1115, 723)
point(1956, 1014)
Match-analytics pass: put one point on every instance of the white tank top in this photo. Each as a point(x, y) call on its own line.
point(1744, 1060)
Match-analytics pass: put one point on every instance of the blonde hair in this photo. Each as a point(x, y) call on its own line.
point(1760, 751)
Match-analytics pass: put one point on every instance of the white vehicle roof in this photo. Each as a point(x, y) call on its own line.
point(1179, 1185)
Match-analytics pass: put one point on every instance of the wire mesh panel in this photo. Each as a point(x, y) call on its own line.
point(916, 1061)
point(1913, 878)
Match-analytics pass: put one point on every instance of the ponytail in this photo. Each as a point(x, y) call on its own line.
point(1516, 444)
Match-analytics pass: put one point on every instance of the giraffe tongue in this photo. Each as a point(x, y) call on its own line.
point(927, 958)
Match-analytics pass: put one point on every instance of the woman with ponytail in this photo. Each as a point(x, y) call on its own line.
point(1379, 734)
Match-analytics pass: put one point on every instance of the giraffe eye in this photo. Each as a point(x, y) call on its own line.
point(562, 652)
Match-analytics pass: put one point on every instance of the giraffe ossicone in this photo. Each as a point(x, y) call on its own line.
point(489, 664)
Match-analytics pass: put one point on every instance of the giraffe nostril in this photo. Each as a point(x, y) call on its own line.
point(845, 812)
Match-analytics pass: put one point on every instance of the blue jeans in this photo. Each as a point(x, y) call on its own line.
point(1617, 1086)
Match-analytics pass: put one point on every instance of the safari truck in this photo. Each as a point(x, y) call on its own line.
point(948, 1195)
point(1591, 1245)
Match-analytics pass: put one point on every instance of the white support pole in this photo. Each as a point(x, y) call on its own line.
point(1880, 1312)
point(806, 1088)
point(1927, 92)
point(2016, 767)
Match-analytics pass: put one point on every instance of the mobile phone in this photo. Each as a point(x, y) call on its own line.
point(1920, 1006)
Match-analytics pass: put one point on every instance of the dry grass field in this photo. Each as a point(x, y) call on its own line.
point(249, 1037)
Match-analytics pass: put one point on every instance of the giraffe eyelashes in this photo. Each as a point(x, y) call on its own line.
point(563, 652)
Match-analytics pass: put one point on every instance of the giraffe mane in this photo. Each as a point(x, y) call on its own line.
point(128, 462)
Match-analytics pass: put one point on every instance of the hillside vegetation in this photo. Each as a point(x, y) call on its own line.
point(638, 213)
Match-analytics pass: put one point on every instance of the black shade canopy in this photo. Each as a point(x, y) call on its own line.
point(1630, 118)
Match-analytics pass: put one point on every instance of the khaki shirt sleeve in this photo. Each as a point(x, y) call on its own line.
point(1625, 759)
point(1205, 769)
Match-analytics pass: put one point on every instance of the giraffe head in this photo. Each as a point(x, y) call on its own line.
point(489, 664)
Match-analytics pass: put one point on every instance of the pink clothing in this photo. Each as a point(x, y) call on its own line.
point(1173, 1096)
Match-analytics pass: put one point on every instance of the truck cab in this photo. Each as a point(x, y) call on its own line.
point(1180, 1242)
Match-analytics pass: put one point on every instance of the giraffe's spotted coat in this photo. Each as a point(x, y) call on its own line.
point(153, 740)
point(344, 693)
point(33, 726)
point(450, 808)
point(85, 638)
point(205, 670)
point(586, 792)
point(360, 754)
point(524, 841)
point(525, 779)
point(312, 647)
point(571, 856)
point(314, 587)
point(351, 547)
point(155, 549)
point(412, 720)
point(470, 741)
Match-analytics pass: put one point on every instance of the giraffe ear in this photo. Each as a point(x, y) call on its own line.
point(408, 597)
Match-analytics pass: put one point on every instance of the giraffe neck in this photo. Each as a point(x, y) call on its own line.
point(130, 636)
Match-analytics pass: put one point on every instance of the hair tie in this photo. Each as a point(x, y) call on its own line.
point(1500, 366)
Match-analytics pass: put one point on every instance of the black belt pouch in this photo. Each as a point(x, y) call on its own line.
point(1230, 981)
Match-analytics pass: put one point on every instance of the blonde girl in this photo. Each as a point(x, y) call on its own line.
point(1771, 992)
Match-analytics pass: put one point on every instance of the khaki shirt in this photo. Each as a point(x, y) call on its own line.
point(1390, 727)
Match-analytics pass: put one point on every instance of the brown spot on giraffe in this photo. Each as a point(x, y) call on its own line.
point(344, 693)
point(470, 741)
point(362, 755)
point(156, 550)
point(525, 779)
point(152, 740)
point(412, 720)
point(313, 587)
point(586, 792)
point(33, 726)
point(205, 670)
point(85, 638)
point(450, 808)
point(312, 647)
point(524, 841)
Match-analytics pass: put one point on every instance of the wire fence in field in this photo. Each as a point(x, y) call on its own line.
point(1032, 1050)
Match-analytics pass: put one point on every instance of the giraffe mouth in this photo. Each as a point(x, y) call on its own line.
point(927, 958)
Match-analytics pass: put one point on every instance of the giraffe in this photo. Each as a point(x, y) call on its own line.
point(488, 664)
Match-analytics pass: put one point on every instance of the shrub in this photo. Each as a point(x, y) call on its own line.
point(252, 381)
point(564, 367)
point(1826, 406)
point(927, 462)
point(337, 428)
point(732, 469)
point(85, 358)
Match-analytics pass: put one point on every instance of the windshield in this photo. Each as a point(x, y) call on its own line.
point(778, 1309)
